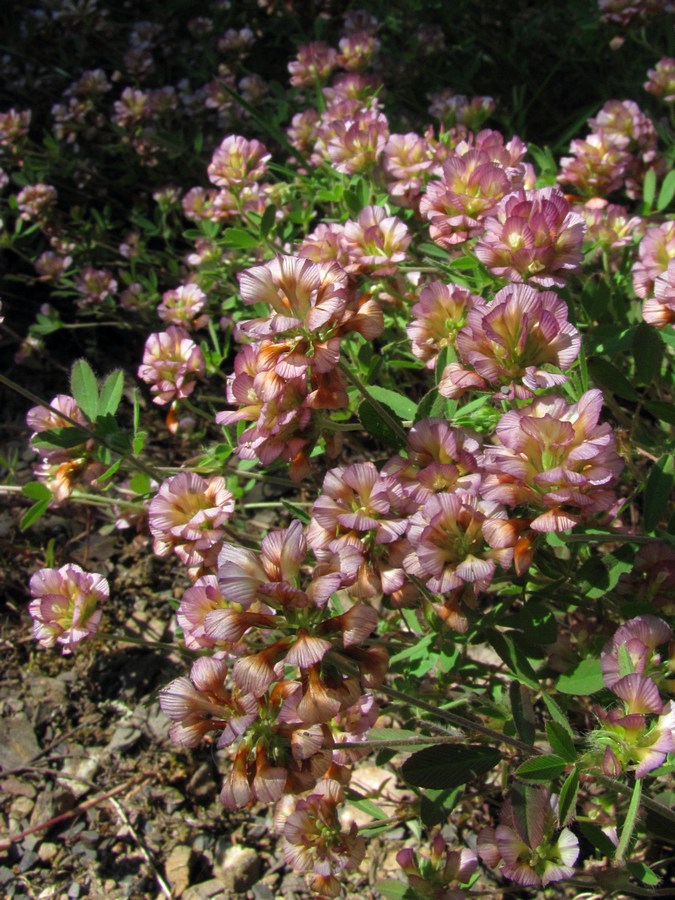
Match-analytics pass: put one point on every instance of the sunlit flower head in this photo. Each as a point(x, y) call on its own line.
point(65, 605)
point(656, 250)
point(437, 317)
point(237, 162)
point(597, 166)
point(459, 539)
point(556, 458)
point(533, 237)
point(375, 242)
point(357, 50)
point(186, 516)
point(507, 344)
point(182, 305)
point(35, 200)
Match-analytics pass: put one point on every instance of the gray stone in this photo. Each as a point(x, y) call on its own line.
point(238, 867)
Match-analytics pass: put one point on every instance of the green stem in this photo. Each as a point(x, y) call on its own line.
point(629, 822)
point(381, 410)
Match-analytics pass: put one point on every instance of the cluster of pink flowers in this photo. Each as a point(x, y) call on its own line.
point(35, 202)
point(94, 286)
point(477, 174)
point(14, 125)
point(639, 732)
point(172, 363)
point(616, 154)
point(661, 79)
point(504, 345)
point(527, 845)
point(65, 605)
point(182, 306)
point(654, 274)
point(458, 109)
point(186, 516)
point(290, 369)
point(373, 244)
point(533, 237)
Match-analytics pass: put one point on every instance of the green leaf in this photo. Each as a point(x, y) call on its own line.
point(36, 490)
point(403, 406)
point(536, 621)
point(541, 769)
point(393, 734)
point(375, 425)
point(434, 250)
point(597, 838)
point(111, 393)
point(658, 489)
point(522, 711)
point(84, 388)
point(561, 742)
point(667, 191)
point(584, 680)
point(432, 405)
point(33, 513)
point(140, 483)
point(238, 239)
point(367, 806)
point(648, 349)
point(603, 574)
point(110, 471)
point(436, 806)
point(640, 870)
point(514, 658)
point(648, 190)
point(607, 376)
point(446, 766)
point(268, 220)
point(556, 713)
point(394, 890)
point(66, 437)
point(567, 800)
point(661, 410)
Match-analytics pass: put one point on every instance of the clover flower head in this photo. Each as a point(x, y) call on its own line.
point(186, 516)
point(182, 306)
point(661, 79)
point(508, 343)
point(35, 200)
point(238, 162)
point(597, 167)
point(14, 126)
point(456, 539)
point(557, 458)
point(437, 317)
point(526, 843)
point(302, 132)
point(375, 242)
point(470, 187)
point(609, 225)
point(434, 872)
point(357, 50)
point(314, 840)
point(656, 250)
point(325, 244)
point(94, 286)
point(314, 63)
point(353, 86)
point(172, 362)
point(533, 237)
point(407, 158)
point(354, 142)
point(65, 605)
point(204, 702)
point(458, 109)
